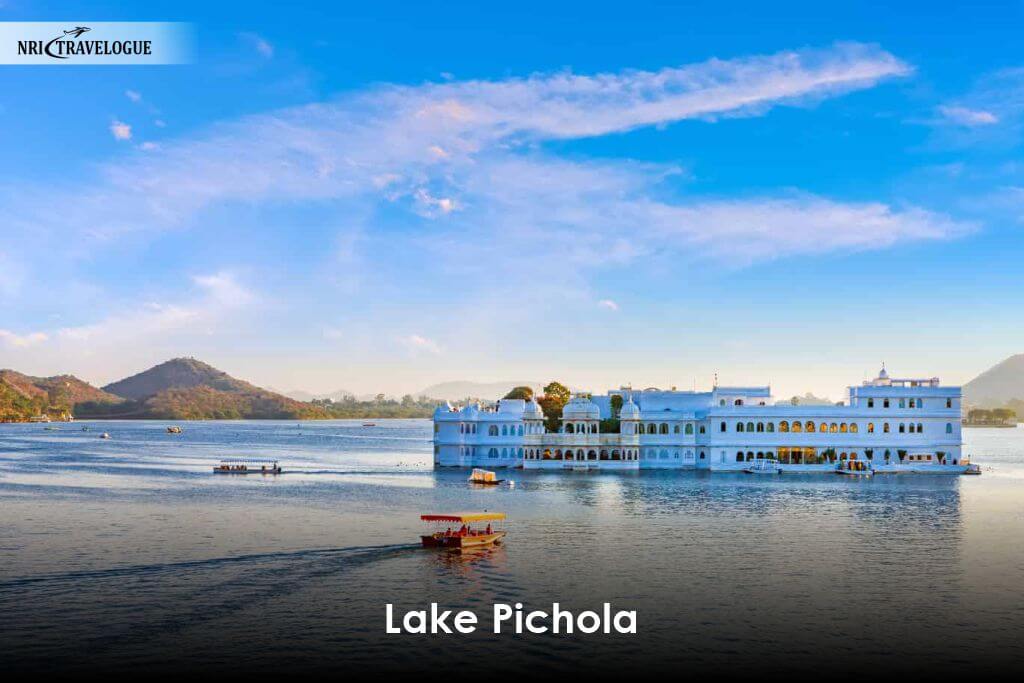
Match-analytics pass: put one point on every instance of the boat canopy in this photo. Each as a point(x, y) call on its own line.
point(465, 517)
point(248, 461)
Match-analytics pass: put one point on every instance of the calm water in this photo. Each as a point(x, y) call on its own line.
point(129, 554)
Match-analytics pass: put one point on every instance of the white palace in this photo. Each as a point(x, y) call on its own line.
point(890, 424)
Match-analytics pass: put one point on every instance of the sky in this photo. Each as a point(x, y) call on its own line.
point(382, 196)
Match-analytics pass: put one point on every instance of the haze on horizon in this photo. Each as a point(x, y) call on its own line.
point(790, 198)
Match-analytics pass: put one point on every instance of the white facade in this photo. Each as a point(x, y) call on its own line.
point(887, 422)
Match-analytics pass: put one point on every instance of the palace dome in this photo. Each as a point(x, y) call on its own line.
point(581, 408)
point(533, 411)
point(629, 411)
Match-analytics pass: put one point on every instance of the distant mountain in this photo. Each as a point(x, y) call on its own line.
point(807, 399)
point(453, 391)
point(998, 385)
point(185, 388)
point(306, 397)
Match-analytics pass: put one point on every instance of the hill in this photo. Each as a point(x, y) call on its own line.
point(188, 389)
point(454, 391)
point(997, 386)
point(24, 396)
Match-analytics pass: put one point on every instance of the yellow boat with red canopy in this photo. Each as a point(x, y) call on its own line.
point(465, 536)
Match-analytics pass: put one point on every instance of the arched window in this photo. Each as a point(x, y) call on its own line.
point(739, 456)
point(871, 403)
point(842, 428)
point(949, 403)
point(797, 427)
point(675, 428)
point(771, 426)
point(750, 426)
point(911, 403)
point(520, 430)
point(750, 455)
point(902, 428)
point(569, 428)
point(833, 428)
point(492, 430)
point(902, 405)
point(462, 429)
point(823, 428)
point(664, 428)
point(723, 426)
point(871, 427)
point(784, 426)
point(492, 453)
point(739, 426)
point(760, 426)
point(504, 430)
point(885, 403)
point(885, 427)
point(504, 452)
point(853, 427)
point(738, 402)
point(809, 427)
point(920, 428)
point(949, 427)
point(689, 428)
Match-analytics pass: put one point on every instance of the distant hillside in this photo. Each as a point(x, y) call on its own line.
point(453, 391)
point(1000, 384)
point(188, 389)
point(24, 396)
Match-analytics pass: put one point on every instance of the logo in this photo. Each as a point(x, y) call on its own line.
point(67, 45)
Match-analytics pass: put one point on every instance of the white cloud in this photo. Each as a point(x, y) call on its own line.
point(120, 130)
point(22, 340)
point(133, 95)
point(149, 146)
point(609, 304)
point(962, 116)
point(416, 343)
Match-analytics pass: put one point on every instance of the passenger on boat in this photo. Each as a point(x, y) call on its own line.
point(488, 532)
point(463, 530)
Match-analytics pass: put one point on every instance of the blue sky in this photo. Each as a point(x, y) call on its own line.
point(378, 197)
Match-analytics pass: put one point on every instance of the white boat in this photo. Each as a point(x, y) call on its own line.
point(763, 466)
point(926, 463)
point(104, 435)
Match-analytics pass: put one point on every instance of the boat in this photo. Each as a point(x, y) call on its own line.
point(466, 537)
point(484, 477)
point(51, 429)
point(369, 424)
point(174, 429)
point(973, 469)
point(247, 466)
point(857, 468)
point(764, 466)
point(104, 435)
point(39, 418)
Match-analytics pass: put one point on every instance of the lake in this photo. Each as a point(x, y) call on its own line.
point(129, 554)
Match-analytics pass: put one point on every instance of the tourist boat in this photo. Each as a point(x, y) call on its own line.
point(39, 418)
point(247, 466)
point(972, 469)
point(485, 477)
point(174, 429)
point(104, 435)
point(854, 467)
point(763, 466)
point(466, 537)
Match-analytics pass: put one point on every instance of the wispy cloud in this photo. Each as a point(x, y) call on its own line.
point(133, 95)
point(609, 304)
point(259, 43)
point(11, 339)
point(417, 343)
point(962, 116)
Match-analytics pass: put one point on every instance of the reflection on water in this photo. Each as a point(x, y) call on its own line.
point(129, 553)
